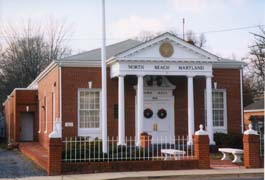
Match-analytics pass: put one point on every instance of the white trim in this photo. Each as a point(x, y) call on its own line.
point(60, 91)
point(79, 63)
point(53, 108)
point(171, 37)
point(34, 83)
point(46, 113)
point(224, 128)
point(18, 89)
point(40, 111)
point(92, 132)
point(254, 110)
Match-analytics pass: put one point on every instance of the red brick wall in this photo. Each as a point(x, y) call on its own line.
point(46, 86)
point(26, 98)
point(16, 105)
point(74, 78)
point(201, 151)
point(9, 118)
point(251, 147)
point(125, 166)
point(229, 79)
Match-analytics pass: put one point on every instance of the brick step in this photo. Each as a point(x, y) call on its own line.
point(223, 164)
point(36, 153)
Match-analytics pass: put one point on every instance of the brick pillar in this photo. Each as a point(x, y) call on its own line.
point(55, 156)
point(145, 140)
point(201, 148)
point(251, 147)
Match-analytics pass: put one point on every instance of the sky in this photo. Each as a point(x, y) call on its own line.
point(127, 18)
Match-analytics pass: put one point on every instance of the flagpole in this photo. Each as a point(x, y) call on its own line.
point(104, 83)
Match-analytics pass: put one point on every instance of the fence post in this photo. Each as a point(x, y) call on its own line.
point(201, 148)
point(55, 156)
point(251, 148)
point(55, 150)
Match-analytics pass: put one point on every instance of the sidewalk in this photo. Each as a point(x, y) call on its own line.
point(177, 174)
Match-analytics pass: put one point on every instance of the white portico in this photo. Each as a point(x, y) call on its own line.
point(165, 55)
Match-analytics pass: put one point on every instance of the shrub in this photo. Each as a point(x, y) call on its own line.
point(228, 140)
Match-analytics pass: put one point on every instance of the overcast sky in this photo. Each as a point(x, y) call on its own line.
point(126, 18)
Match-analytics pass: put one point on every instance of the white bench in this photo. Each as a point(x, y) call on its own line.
point(169, 153)
point(237, 153)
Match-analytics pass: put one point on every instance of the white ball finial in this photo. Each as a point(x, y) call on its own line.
point(250, 127)
point(251, 130)
point(201, 131)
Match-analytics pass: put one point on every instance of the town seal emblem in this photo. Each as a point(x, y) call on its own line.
point(166, 49)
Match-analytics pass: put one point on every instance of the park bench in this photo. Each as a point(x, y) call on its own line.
point(169, 153)
point(237, 153)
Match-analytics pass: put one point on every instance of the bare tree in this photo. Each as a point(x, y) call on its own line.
point(28, 51)
point(256, 68)
point(146, 36)
point(191, 37)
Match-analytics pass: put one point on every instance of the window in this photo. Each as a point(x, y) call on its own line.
point(46, 113)
point(219, 110)
point(89, 109)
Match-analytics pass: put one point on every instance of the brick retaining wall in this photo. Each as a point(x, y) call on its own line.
point(123, 166)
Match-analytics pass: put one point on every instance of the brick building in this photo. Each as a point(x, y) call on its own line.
point(165, 87)
point(254, 114)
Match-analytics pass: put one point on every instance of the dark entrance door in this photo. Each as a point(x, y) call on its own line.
point(26, 126)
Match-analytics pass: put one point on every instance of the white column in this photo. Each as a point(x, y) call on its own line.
point(209, 108)
point(121, 132)
point(140, 96)
point(190, 110)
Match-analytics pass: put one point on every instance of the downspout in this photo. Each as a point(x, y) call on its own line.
point(241, 99)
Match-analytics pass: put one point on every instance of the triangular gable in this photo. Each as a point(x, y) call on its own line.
point(182, 51)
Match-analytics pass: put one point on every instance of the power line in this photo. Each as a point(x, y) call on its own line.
point(234, 29)
point(114, 38)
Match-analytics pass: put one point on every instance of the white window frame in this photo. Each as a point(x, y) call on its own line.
point(40, 112)
point(221, 129)
point(46, 114)
point(92, 132)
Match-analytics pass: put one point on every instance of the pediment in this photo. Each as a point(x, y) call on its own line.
point(167, 47)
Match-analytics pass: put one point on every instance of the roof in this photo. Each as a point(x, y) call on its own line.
point(258, 105)
point(111, 50)
point(94, 56)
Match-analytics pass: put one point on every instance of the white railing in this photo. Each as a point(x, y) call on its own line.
point(85, 149)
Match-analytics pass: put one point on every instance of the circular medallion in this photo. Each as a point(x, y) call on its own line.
point(148, 113)
point(166, 49)
point(162, 113)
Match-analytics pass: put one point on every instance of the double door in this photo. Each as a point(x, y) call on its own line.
point(158, 120)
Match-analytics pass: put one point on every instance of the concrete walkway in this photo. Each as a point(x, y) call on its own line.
point(233, 173)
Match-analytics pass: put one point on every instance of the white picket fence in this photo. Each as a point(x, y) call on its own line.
point(85, 149)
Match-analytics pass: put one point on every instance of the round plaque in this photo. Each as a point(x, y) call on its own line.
point(166, 49)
